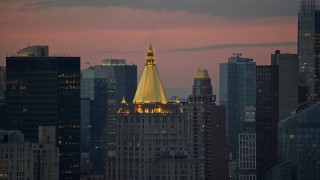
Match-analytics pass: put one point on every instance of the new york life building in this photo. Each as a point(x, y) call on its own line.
point(151, 134)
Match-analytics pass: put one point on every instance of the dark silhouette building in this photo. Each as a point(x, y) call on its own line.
point(219, 167)
point(267, 113)
point(288, 67)
point(45, 91)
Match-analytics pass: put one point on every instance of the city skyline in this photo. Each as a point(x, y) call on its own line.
point(100, 30)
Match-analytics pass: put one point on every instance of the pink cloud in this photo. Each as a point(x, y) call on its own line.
point(89, 31)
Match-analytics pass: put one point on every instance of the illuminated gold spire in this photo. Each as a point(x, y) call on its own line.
point(150, 89)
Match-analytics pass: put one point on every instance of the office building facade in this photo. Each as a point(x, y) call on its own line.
point(46, 91)
point(299, 142)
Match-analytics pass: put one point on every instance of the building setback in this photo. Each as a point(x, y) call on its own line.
point(45, 91)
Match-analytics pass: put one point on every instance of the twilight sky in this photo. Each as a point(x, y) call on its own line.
point(186, 34)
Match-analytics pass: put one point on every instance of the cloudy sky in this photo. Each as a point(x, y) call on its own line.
point(186, 34)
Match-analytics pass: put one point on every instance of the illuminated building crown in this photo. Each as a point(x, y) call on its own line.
point(150, 89)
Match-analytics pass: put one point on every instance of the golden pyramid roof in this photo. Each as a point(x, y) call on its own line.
point(150, 89)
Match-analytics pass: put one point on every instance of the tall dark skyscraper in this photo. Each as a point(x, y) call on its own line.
point(207, 122)
point(237, 91)
point(45, 91)
point(102, 89)
point(267, 115)
point(309, 46)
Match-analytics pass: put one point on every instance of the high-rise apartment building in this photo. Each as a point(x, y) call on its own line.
point(45, 91)
point(309, 46)
point(207, 129)
point(151, 134)
point(248, 146)
point(237, 91)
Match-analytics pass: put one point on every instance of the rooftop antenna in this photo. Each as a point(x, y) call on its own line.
point(28, 44)
point(90, 67)
point(237, 54)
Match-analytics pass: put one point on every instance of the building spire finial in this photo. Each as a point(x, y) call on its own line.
point(150, 56)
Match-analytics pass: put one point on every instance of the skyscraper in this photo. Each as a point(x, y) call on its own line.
point(102, 89)
point(309, 46)
point(267, 116)
point(199, 112)
point(151, 134)
point(237, 91)
point(207, 129)
point(45, 91)
point(277, 98)
point(98, 89)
